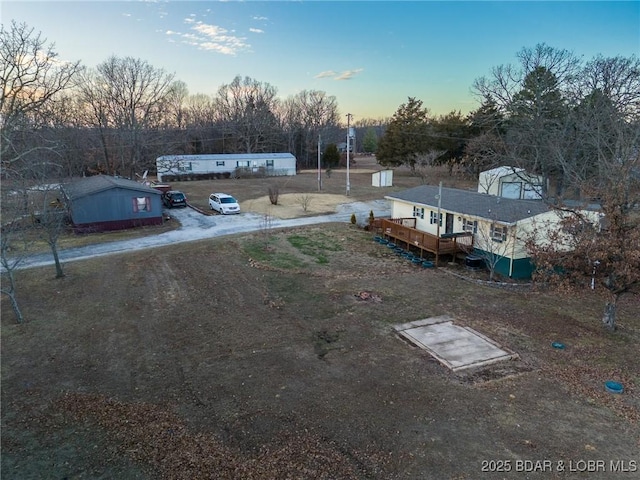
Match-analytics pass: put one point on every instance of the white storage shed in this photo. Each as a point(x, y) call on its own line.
point(511, 182)
point(383, 178)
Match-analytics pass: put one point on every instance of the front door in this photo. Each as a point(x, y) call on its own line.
point(448, 228)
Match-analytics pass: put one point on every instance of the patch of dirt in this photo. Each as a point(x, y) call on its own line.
point(294, 205)
point(368, 297)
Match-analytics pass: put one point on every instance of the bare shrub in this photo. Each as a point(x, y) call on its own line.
point(266, 229)
point(274, 193)
point(305, 200)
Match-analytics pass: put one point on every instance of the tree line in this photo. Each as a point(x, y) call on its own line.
point(118, 117)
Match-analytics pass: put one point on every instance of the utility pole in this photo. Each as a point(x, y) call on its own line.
point(348, 147)
point(319, 169)
point(438, 220)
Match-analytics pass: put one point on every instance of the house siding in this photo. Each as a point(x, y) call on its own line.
point(113, 205)
point(99, 204)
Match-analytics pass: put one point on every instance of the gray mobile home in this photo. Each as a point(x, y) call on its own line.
point(102, 203)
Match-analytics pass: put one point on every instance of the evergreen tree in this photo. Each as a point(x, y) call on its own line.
point(451, 132)
point(370, 141)
point(406, 137)
point(331, 156)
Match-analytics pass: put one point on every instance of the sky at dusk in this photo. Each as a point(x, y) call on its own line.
point(371, 56)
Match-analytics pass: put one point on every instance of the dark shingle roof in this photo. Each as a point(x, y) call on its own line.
point(465, 202)
point(89, 185)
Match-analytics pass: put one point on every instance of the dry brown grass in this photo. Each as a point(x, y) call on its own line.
point(232, 358)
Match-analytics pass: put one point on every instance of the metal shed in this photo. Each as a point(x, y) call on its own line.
point(103, 203)
point(383, 178)
point(510, 182)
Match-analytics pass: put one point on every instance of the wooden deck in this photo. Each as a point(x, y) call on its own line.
point(403, 233)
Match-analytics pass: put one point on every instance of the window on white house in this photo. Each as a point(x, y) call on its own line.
point(141, 204)
point(219, 163)
point(434, 218)
point(185, 167)
point(418, 212)
point(498, 233)
point(469, 225)
point(240, 164)
point(270, 164)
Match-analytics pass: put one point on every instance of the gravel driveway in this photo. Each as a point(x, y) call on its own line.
point(196, 226)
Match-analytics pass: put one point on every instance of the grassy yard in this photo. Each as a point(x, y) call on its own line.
point(255, 356)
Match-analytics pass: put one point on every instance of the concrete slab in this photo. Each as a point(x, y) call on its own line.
point(452, 345)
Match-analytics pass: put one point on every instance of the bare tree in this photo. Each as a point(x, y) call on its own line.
point(319, 113)
point(291, 124)
point(424, 163)
point(493, 243)
point(34, 81)
point(13, 249)
point(51, 219)
point(266, 228)
point(533, 96)
point(200, 111)
point(31, 76)
point(603, 254)
point(306, 117)
point(15, 239)
point(168, 165)
point(274, 193)
point(506, 81)
point(617, 78)
point(127, 97)
point(175, 114)
point(35, 195)
point(246, 107)
point(599, 155)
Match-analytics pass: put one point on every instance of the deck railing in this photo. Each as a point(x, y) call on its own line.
point(403, 232)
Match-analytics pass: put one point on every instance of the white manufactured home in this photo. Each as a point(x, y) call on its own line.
point(500, 226)
point(223, 165)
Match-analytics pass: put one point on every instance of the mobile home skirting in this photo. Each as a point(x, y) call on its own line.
point(113, 225)
point(517, 268)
